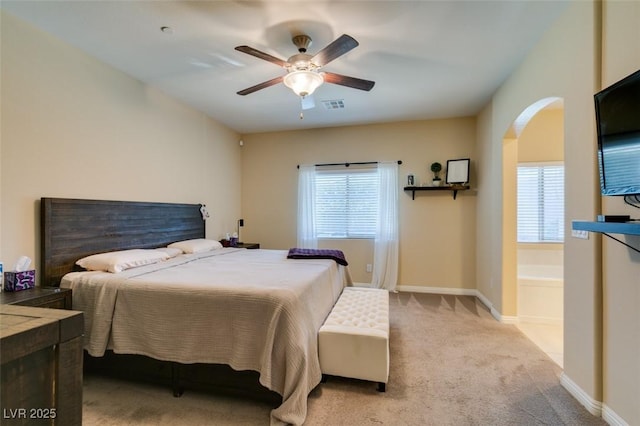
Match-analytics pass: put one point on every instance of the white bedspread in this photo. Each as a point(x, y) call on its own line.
point(250, 309)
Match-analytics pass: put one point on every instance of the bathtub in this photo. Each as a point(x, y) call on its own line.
point(540, 289)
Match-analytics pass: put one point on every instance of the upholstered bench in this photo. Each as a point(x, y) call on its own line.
point(354, 339)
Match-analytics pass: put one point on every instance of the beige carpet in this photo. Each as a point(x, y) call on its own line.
point(451, 364)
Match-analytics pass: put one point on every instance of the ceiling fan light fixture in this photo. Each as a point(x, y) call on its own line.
point(302, 69)
point(303, 83)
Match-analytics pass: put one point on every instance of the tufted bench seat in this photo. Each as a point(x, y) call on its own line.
point(354, 339)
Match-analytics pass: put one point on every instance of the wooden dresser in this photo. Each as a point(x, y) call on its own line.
point(41, 357)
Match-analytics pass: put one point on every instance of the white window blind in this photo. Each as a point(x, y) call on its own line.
point(346, 203)
point(540, 203)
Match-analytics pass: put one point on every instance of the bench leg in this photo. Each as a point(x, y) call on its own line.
point(382, 387)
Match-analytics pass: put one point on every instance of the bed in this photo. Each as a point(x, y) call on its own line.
point(248, 309)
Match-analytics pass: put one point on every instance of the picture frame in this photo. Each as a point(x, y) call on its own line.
point(458, 171)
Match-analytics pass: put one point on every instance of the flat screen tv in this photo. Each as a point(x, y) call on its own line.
point(618, 125)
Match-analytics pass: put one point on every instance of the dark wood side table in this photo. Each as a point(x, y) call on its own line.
point(248, 245)
point(41, 297)
point(41, 366)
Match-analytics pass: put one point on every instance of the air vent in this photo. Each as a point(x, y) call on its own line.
point(333, 104)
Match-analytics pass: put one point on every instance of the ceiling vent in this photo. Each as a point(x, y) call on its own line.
point(333, 104)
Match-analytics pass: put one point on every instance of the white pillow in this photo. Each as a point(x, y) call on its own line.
point(197, 245)
point(118, 261)
point(170, 251)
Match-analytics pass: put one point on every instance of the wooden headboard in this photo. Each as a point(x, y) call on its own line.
point(71, 229)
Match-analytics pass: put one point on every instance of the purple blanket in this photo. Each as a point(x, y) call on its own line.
point(302, 253)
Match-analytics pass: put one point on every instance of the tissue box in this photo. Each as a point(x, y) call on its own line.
point(16, 281)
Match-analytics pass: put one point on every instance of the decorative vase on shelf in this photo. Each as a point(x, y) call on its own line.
point(436, 168)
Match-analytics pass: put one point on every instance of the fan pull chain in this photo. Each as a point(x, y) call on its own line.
point(302, 108)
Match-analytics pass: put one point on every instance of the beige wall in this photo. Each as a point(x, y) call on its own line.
point(621, 266)
point(509, 229)
point(566, 63)
point(75, 127)
point(437, 234)
point(542, 139)
point(562, 65)
point(489, 213)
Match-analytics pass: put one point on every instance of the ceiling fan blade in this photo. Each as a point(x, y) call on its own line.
point(258, 54)
point(307, 102)
point(335, 49)
point(260, 86)
point(343, 80)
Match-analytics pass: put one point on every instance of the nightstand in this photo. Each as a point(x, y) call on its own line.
point(248, 245)
point(40, 297)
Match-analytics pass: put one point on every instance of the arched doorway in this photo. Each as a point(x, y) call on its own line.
point(533, 150)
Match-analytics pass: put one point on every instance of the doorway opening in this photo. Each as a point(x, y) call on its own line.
point(533, 276)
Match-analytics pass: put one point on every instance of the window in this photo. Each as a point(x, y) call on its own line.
point(346, 203)
point(540, 202)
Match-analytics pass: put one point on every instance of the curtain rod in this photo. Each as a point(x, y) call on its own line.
point(348, 164)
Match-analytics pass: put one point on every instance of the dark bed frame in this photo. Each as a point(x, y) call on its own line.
point(75, 228)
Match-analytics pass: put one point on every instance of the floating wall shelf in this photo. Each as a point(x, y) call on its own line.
point(626, 228)
point(606, 228)
point(454, 189)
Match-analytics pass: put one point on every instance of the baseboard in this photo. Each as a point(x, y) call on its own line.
point(494, 312)
point(609, 416)
point(486, 302)
point(592, 406)
point(504, 319)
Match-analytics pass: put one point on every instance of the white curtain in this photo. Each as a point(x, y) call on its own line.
point(385, 254)
point(307, 237)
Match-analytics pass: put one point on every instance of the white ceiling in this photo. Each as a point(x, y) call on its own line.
point(429, 59)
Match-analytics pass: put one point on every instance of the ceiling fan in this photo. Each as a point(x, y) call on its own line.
point(303, 75)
